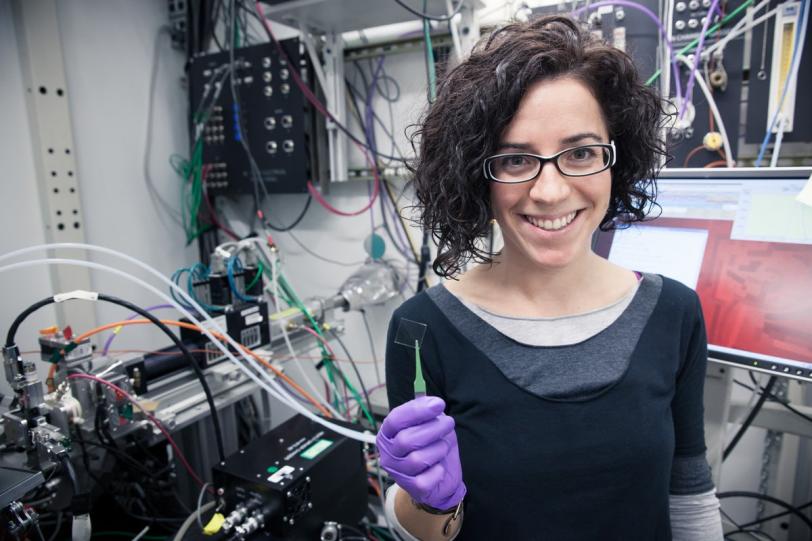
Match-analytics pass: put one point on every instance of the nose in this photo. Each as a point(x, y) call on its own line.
point(550, 186)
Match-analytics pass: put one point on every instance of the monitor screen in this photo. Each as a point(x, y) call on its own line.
point(741, 239)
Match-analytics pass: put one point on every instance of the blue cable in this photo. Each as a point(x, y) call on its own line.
point(796, 52)
point(194, 272)
point(232, 261)
point(176, 280)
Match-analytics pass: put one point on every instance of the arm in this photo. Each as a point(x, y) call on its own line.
point(693, 505)
point(406, 516)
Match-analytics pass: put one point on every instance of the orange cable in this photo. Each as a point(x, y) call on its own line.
point(219, 336)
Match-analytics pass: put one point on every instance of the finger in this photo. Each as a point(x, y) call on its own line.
point(420, 436)
point(413, 412)
point(420, 460)
point(426, 483)
point(454, 499)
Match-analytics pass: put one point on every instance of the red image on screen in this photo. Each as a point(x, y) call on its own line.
point(756, 296)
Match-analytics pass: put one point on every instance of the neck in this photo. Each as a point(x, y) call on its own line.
point(561, 290)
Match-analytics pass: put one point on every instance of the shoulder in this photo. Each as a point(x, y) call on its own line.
point(677, 296)
point(421, 306)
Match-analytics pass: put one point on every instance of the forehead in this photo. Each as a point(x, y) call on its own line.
point(552, 110)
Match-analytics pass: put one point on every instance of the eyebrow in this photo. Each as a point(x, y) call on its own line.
point(565, 141)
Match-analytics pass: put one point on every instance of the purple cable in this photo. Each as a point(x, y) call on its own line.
point(697, 58)
point(403, 248)
point(113, 335)
point(651, 15)
point(369, 127)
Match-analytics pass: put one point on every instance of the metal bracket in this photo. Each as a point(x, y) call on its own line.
point(43, 70)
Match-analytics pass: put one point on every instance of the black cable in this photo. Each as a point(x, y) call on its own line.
point(357, 373)
point(39, 531)
point(774, 398)
point(749, 531)
point(66, 464)
point(339, 125)
point(764, 497)
point(422, 15)
point(172, 336)
point(750, 417)
point(297, 221)
point(775, 516)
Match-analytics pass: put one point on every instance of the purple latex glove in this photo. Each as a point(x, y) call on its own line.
point(419, 449)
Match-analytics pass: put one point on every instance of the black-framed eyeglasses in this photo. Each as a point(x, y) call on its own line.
point(580, 161)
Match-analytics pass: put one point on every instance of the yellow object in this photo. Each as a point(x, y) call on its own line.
point(53, 329)
point(712, 140)
point(214, 524)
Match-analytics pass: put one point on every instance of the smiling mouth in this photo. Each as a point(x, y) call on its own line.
point(552, 225)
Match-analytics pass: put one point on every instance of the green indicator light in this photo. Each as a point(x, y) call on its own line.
point(273, 469)
point(316, 449)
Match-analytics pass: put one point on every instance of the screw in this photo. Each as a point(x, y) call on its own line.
point(310, 505)
point(307, 478)
point(220, 491)
point(289, 494)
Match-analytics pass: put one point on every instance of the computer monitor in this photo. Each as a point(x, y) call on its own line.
point(744, 243)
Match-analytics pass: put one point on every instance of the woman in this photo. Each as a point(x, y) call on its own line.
point(564, 392)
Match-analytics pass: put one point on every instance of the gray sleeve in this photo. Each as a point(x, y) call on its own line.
point(695, 517)
point(690, 475)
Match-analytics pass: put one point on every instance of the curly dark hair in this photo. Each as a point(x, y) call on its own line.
point(477, 100)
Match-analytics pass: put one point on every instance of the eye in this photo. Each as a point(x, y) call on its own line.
point(582, 154)
point(513, 161)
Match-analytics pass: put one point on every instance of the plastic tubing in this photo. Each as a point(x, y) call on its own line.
point(800, 40)
point(651, 15)
point(714, 109)
point(271, 386)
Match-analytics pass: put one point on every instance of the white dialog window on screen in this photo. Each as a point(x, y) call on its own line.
point(671, 251)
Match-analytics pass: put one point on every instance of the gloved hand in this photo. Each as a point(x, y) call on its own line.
point(418, 448)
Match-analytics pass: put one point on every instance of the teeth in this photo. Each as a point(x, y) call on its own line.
point(552, 225)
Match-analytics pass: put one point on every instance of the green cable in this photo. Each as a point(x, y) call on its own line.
point(328, 363)
point(257, 277)
point(430, 60)
point(711, 31)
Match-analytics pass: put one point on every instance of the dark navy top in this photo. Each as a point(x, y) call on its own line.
point(542, 463)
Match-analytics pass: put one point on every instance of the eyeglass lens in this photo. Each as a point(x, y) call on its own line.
point(579, 161)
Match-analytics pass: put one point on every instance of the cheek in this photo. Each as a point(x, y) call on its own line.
point(503, 198)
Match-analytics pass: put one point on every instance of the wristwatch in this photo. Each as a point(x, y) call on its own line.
point(453, 511)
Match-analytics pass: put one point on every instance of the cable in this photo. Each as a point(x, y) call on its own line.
point(153, 191)
point(689, 88)
point(115, 332)
point(775, 516)
point(760, 390)
point(426, 16)
point(691, 45)
point(309, 382)
point(354, 367)
point(133, 308)
point(297, 221)
point(191, 519)
point(260, 16)
point(749, 420)
point(247, 365)
point(800, 40)
point(304, 247)
point(148, 415)
point(651, 15)
point(764, 497)
point(216, 338)
point(715, 110)
point(200, 505)
point(371, 346)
